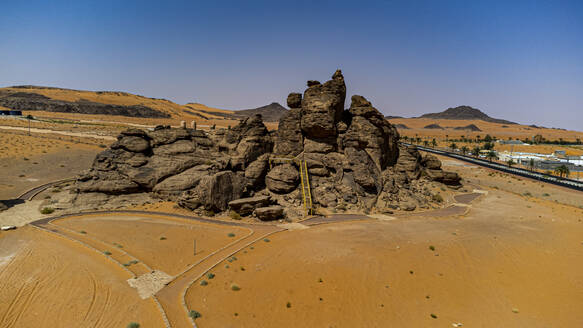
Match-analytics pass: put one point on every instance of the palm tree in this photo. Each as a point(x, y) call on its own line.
point(418, 140)
point(425, 143)
point(510, 162)
point(531, 164)
point(491, 155)
point(434, 143)
point(453, 146)
point(464, 150)
point(476, 151)
point(405, 138)
point(562, 170)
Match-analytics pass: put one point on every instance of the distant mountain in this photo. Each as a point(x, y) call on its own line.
point(471, 127)
point(433, 126)
point(464, 113)
point(390, 117)
point(270, 113)
point(402, 127)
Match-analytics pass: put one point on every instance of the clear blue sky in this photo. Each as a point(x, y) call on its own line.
point(518, 60)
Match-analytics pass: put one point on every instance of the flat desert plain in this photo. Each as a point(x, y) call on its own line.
point(510, 254)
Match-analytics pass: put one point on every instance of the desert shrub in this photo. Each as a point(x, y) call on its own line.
point(242, 268)
point(434, 316)
point(194, 314)
point(432, 247)
point(235, 287)
point(107, 253)
point(102, 146)
point(546, 195)
point(83, 232)
point(210, 275)
point(234, 215)
point(134, 262)
point(288, 305)
point(47, 210)
point(437, 198)
point(231, 234)
point(203, 283)
point(133, 325)
point(209, 213)
point(527, 194)
point(266, 240)
point(162, 238)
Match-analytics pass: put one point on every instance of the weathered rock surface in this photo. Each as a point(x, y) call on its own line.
point(282, 179)
point(214, 192)
point(245, 206)
point(353, 160)
point(269, 213)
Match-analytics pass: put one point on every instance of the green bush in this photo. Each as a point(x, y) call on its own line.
point(107, 253)
point(432, 247)
point(235, 287)
point(210, 275)
point(234, 215)
point(133, 325)
point(194, 314)
point(47, 210)
point(231, 234)
point(203, 283)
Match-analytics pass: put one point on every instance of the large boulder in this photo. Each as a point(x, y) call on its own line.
point(269, 213)
point(246, 206)
point(370, 131)
point(256, 171)
point(172, 187)
point(322, 107)
point(133, 144)
point(246, 142)
point(282, 179)
point(431, 162)
point(409, 162)
point(289, 133)
point(214, 192)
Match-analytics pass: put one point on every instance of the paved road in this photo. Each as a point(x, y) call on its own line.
point(30, 194)
point(569, 183)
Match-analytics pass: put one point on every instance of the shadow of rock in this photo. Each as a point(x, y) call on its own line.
point(6, 204)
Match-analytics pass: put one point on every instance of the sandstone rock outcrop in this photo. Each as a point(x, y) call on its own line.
point(353, 160)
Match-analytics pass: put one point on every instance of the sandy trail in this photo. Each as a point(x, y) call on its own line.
point(65, 133)
point(54, 282)
point(486, 269)
point(172, 297)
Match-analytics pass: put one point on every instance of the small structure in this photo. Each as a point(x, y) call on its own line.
point(6, 228)
point(183, 124)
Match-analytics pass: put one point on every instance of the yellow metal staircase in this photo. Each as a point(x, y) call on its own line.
point(306, 191)
point(304, 178)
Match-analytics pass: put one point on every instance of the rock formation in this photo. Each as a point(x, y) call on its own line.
point(352, 156)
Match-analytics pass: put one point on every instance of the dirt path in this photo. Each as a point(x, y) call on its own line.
point(65, 133)
point(172, 296)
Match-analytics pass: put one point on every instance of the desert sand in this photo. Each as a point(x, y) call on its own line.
point(518, 265)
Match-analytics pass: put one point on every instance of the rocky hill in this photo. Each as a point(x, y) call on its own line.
point(464, 113)
point(352, 157)
point(270, 113)
point(37, 98)
point(469, 127)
